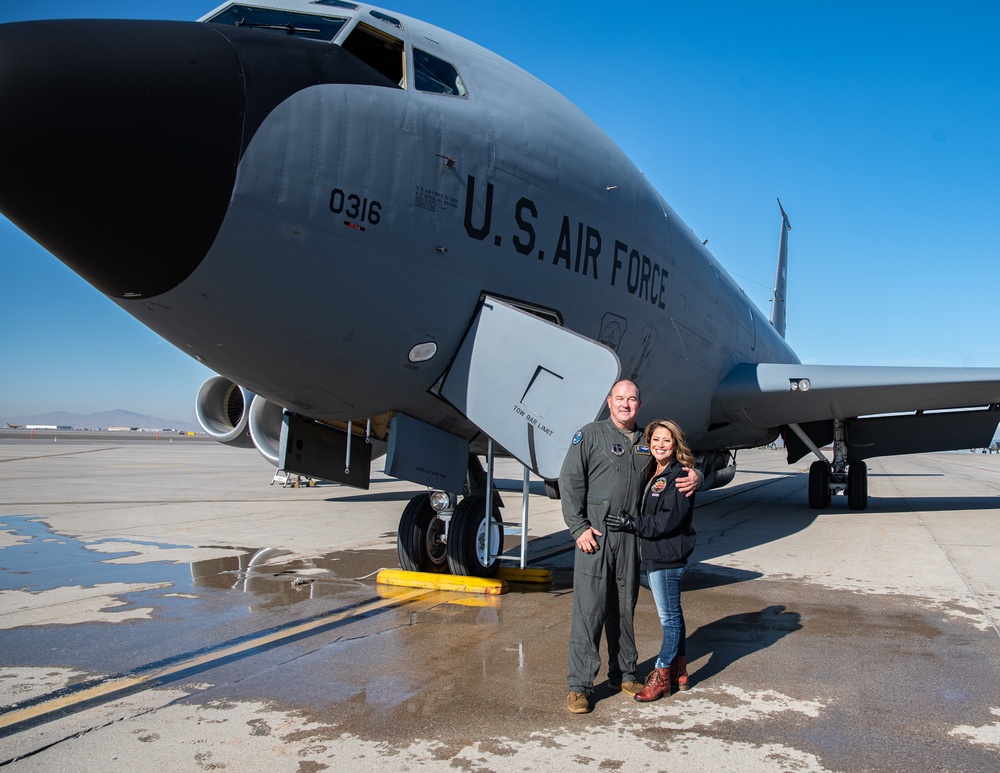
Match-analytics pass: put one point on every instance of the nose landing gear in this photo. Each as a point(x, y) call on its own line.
point(421, 541)
point(453, 540)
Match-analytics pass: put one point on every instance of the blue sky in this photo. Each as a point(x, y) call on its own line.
point(877, 125)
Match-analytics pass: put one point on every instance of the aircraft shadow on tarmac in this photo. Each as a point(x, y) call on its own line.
point(387, 496)
point(735, 518)
point(931, 504)
point(906, 475)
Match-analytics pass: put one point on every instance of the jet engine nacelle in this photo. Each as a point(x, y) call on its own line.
point(265, 428)
point(222, 411)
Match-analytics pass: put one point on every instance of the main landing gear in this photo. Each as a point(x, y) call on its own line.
point(436, 535)
point(824, 481)
point(826, 478)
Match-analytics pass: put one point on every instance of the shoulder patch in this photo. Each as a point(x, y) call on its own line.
point(577, 437)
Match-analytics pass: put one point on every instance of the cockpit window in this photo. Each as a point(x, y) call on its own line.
point(387, 19)
point(436, 75)
point(337, 4)
point(283, 22)
point(378, 50)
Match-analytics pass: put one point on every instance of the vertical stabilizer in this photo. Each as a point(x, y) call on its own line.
point(781, 276)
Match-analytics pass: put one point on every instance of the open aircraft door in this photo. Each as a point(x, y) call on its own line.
point(529, 384)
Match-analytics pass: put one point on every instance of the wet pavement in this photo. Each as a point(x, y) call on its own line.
point(163, 605)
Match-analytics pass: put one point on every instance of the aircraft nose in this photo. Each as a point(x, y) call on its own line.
point(121, 141)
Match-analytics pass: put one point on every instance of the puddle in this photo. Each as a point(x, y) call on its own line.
point(109, 605)
point(40, 559)
point(33, 557)
point(38, 564)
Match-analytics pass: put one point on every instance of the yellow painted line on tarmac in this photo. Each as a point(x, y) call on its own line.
point(451, 582)
point(65, 701)
point(120, 684)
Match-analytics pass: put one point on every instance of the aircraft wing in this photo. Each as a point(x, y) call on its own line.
point(766, 395)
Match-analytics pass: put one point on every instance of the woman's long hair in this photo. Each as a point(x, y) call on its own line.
point(681, 451)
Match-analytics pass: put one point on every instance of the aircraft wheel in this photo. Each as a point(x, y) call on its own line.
point(819, 485)
point(420, 538)
point(857, 486)
point(467, 538)
point(552, 489)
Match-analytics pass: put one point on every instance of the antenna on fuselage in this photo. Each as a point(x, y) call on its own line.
point(781, 276)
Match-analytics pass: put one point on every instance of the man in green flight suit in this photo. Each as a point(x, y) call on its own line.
point(602, 474)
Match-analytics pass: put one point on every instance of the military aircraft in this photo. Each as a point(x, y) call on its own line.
point(387, 239)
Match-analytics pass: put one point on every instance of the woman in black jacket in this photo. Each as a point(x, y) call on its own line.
point(667, 539)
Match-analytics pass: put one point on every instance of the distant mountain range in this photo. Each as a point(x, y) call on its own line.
point(102, 420)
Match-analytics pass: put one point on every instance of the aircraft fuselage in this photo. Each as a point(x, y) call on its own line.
point(365, 220)
point(366, 217)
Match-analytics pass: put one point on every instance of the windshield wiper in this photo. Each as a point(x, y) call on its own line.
point(290, 28)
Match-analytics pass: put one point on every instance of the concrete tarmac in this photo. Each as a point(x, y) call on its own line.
point(162, 605)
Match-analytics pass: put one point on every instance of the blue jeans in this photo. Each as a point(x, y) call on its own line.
point(666, 587)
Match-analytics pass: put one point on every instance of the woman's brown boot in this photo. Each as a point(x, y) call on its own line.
point(679, 674)
point(657, 684)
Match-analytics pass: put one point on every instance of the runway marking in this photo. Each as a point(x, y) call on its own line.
point(91, 693)
point(50, 456)
point(156, 466)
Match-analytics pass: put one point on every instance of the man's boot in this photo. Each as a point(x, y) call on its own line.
point(578, 703)
point(679, 674)
point(657, 684)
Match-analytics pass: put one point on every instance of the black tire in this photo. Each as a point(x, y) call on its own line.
point(857, 486)
point(466, 534)
point(419, 538)
point(552, 489)
point(819, 485)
